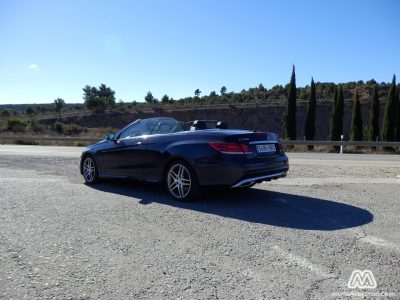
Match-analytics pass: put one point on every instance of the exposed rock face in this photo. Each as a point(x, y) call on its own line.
point(260, 117)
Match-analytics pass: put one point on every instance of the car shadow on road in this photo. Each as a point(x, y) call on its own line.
point(255, 206)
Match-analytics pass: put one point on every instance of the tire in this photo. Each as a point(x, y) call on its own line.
point(89, 170)
point(181, 182)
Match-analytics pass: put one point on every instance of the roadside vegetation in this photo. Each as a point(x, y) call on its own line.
point(26, 119)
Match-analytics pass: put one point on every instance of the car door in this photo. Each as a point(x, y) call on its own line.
point(122, 157)
point(126, 155)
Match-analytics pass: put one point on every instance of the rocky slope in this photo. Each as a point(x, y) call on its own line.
point(261, 117)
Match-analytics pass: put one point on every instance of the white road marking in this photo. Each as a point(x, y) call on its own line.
point(304, 263)
point(376, 241)
point(363, 237)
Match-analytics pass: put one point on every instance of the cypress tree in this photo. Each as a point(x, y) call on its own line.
point(336, 128)
point(335, 95)
point(331, 124)
point(310, 118)
point(398, 116)
point(373, 130)
point(356, 121)
point(389, 117)
point(290, 116)
point(340, 105)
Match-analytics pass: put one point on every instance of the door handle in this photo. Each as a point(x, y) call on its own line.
point(137, 144)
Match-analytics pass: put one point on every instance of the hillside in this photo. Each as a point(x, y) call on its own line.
point(261, 116)
point(254, 108)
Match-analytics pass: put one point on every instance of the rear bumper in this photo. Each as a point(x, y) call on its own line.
point(252, 180)
point(234, 173)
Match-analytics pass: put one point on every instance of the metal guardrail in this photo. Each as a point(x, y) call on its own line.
point(285, 142)
point(341, 143)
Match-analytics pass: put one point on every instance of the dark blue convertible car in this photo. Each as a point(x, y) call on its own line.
point(186, 157)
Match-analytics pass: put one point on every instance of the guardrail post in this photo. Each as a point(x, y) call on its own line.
point(341, 144)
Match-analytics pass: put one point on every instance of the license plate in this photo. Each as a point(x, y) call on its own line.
point(266, 148)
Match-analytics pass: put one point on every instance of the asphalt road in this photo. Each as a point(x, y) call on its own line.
point(296, 238)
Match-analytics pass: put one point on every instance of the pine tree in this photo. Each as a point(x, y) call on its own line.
point(223, 90)
point(356, 121)
point(290, 116)
point(389, 117)
point(165, 99)
point(373, 130)
point(58, 106)
point(336, 126)
point(149, 98)
point(310, 118)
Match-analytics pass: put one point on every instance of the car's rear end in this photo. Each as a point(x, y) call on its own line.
point(243, 158)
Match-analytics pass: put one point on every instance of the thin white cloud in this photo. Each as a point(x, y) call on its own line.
point(33, 66)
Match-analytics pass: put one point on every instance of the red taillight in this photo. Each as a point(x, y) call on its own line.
point(231, 148)
point(246, 148)
point(227, 147)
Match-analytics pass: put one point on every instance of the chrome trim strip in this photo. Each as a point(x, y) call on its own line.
point(251, 180)
point(240, 153)
point(264, 142)
point(234, 153)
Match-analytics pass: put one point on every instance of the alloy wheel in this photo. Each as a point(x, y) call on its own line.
point(179, 181)
point(89, 169)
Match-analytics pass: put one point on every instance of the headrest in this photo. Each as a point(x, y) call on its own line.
point(198, 125)
point(222, 125)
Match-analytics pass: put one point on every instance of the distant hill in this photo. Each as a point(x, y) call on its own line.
point(265, 117)
point(255, 108)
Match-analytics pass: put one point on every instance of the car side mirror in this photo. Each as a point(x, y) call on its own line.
point(110, 136)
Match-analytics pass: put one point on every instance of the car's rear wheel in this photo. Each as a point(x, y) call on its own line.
point(181, 181)
point(89, 170)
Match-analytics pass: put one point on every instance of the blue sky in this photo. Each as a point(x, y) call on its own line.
point(53, 48)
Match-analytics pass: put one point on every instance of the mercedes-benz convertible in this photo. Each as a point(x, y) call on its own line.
point(186, 157)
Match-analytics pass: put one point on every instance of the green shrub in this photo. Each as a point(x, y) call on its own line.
point(68, 129)
point(5, 113)
point(34, 126)
point(16, 124)
point(59, 127)
point(81, 144)
point(24, 142)
point(71, 129)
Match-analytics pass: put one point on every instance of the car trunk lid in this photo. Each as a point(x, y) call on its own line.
point(259, 145)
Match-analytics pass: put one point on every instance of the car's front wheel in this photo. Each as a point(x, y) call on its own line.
point(181, 181)
point(89, 170)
